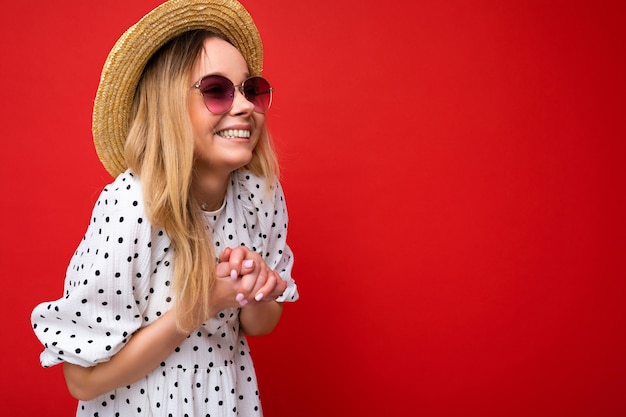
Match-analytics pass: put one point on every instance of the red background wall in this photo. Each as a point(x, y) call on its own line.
point(454, 173)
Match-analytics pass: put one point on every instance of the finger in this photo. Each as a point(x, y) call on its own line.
point(225, 254)
point(252, 283)
point(247, 267)
point(225, 257)
point(225, 268)
point(263, 290)
point(249, 281)
point(273, 287)
point(235, 259)
point(241, 299)
point(222, 269)
point(224, 294)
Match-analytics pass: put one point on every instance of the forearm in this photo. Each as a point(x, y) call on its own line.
point(260, 319)
point(147, 348)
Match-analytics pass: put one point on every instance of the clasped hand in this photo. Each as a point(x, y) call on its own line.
point(243, 277)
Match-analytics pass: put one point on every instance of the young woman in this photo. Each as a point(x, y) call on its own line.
point(186, 250)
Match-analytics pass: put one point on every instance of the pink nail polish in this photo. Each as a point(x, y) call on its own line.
point(239, 297)
point(234, 274)
point(259, 296)
point(249, 263)
point(243, 302)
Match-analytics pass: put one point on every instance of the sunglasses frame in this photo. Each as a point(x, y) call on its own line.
point(241, 89)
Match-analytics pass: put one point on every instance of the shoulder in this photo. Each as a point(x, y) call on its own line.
point(125, 186)
point(120, 208)
point(259, 197)
point(259, 190)
point(124, 194)
point(253, 183)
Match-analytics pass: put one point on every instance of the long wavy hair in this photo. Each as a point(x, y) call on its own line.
point(160, 150)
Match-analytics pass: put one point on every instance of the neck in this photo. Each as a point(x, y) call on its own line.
point(209, 192)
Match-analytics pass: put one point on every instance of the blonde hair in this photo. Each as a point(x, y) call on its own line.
point(160, 150)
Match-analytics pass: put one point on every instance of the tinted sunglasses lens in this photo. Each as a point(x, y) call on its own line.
point(218, 93)
point(259, 92)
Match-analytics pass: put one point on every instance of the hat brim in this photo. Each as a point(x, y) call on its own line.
point(130, 54)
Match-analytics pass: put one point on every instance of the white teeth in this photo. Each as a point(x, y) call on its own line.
point(234, 133)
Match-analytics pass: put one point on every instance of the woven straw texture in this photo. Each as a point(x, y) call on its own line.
point(129, 55)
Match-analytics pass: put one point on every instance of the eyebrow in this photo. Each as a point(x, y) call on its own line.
point(246, 75)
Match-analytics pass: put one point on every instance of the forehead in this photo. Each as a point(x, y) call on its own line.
point(220, 57)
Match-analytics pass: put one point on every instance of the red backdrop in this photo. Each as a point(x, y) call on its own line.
point(454, 173)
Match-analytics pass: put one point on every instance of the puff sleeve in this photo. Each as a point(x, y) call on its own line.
point(266, 218)
point(106, 282)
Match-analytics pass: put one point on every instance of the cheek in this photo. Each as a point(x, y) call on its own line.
point(259, 126)
point(202, 121)
point(195, 116)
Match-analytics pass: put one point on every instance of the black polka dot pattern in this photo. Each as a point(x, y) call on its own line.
point(120, 279)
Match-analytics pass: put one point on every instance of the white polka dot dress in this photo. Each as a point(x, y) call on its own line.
point(120, 279)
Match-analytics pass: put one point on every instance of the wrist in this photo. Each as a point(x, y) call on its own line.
point(260, 318)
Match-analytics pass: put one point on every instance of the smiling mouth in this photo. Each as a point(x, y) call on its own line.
point(234, 133)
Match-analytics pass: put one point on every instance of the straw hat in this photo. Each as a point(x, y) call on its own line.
point(131, 52)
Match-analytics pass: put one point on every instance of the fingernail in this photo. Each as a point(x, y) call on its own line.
point(243, 302)
point(239, 297)
point(249, 263)
point(234, 274)
point(259, 296)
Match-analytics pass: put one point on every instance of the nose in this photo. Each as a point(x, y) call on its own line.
point(241, 105)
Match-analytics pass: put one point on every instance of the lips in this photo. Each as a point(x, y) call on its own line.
point(234, 133)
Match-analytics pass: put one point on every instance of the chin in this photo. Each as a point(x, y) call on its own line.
point(239, 163)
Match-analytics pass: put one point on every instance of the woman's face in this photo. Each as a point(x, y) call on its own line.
point(222, 142)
